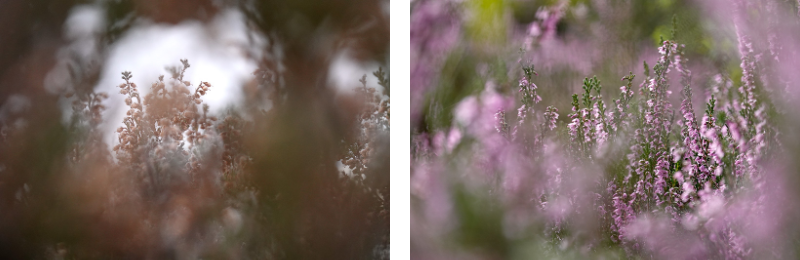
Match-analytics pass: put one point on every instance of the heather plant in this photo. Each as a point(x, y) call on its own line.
point(686, 166)
point(372, 124)
point(181, 179)
point(297, 169)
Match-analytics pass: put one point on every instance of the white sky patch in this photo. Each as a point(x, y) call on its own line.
point(83, 24)
point(345, 71)
point(81, 29)
point(344, 169)
point(217, 52)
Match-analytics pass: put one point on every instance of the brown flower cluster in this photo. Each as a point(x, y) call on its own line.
point(372, 125)
point(182, 184)
point(372, 117)
point(163, 122)
point(87, 111)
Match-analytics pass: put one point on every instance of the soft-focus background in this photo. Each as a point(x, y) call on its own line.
point(457, 45)
point(284, 154)
point(491, 179)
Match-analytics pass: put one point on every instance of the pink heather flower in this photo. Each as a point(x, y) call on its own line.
point(528, 90)
point(739, 166)
point(573, 127)
point(661, 176)
point(467, 110)
point(596, 111)
point(648, 118)
point(743, 123)
point(709, 130)
point(737, 137)
point(663, 49)
point(522, 113)
point(588, 125)
point(444, 142)
point(551, 116)
point(600, 134)
point(688, 190)
point(494, 101)
point(501, 126)
point(622, 214)
point(523, 84)
point(478, 113)
point(533, 32)
point(678, 175)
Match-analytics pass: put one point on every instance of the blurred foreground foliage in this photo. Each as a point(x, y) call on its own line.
point(182, 183)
